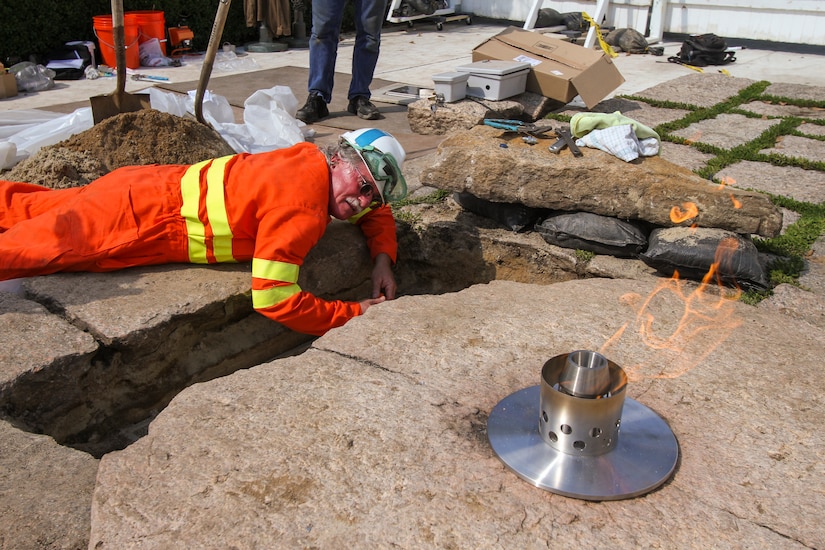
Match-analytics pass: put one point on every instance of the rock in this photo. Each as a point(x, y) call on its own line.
point(646, 189)
point(328, 448)
point(45, 492)
point(426, 117)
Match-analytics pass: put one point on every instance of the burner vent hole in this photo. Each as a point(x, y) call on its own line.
point(552, 436)
point(596, 432)
point(566, 429)
point(578, 445)
point(544, 415)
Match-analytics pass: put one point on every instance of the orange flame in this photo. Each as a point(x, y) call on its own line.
point(687, 211)
point(736, 202)
point(727, 180)
point(677, 343)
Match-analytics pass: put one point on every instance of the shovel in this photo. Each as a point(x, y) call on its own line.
point(209, 58)
point(105, 106)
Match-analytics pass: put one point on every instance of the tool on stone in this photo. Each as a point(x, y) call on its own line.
point(149, 77)
point(209, 58)
point(518, 126)
point(566, 139)
point(105, 106)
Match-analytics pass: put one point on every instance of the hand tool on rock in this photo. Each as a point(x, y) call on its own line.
point(566, 139)
point(518, 126)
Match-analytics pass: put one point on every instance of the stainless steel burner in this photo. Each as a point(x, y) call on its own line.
point(574, 449)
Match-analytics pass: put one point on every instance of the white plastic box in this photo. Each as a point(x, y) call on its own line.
point(496, 79)
point(453, 86)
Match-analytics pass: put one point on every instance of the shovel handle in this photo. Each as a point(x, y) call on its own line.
point(209, 58)
point(119, 36)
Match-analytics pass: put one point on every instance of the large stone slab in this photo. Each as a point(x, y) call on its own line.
point(329, 448)
point(725, 131)
point(699, 89)
point(770, 109)
point(646, 189)
point(45, 492)
point(789, 181)
point(799, 147)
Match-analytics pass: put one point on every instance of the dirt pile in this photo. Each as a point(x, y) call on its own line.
point(141, 137)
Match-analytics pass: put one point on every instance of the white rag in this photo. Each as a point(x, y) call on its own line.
point(620, 141)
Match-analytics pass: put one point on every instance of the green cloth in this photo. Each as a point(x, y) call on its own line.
point(583, 123)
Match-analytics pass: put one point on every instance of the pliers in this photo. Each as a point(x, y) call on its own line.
point(517, 126)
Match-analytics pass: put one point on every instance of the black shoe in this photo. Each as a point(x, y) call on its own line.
point(361, 106)
point(313, 110)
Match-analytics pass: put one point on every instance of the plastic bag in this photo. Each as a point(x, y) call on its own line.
point(588, 231)
point(151, 55)
point(29, 140)
point(32, 78)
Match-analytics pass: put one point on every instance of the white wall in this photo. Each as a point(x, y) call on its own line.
point(792, 21)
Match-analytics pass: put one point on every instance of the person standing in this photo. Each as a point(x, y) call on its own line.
point(323, 51)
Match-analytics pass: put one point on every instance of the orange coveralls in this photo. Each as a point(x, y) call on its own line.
point(271, 208)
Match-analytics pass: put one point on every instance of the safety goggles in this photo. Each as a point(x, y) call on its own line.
point(385, 170)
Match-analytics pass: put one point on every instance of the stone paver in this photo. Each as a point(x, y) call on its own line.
point(796, 183)
point(684, 155)
point(796, 91)
point(811, 129)
point(770, 109)
point(799, 147)
point(699, 89)
point(726, 131)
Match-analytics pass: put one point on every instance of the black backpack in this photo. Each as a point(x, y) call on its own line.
point(69, 61)
point(703, 50)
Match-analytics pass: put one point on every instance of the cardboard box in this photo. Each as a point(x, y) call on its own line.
point(561, 70)
point(8, 85)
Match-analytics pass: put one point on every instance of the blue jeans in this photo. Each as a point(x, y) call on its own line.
point(323, 45)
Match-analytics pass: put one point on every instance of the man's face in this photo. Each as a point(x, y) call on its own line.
point(352, 189)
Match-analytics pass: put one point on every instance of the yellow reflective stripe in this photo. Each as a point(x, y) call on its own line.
point(275, 271)
point(216, 210)
point(262, 299)
point(190, 189)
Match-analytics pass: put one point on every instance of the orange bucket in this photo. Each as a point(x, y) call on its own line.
point(152, 25)
point(105, 36)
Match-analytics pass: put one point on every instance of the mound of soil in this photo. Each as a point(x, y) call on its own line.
point(128, 139)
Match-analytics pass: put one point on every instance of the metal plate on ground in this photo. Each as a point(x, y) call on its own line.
point(644, 458)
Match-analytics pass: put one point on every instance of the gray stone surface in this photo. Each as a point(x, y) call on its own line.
point(769, 109)
point(811, 129)
point(799, 147)
point(726, 131)
point(796, 183)
point(813, 277)
point(684, 155)
point(45, 492)
point(796, 91)
point(329, 448)
point(647, 189)
point(797, 303)
point(699, 89)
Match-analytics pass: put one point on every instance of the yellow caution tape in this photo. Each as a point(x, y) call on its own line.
point(605, 46)
point(724, 72)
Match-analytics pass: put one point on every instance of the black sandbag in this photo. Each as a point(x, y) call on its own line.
point(548, 17)
point(592, 232)
point(514, 216)
point(691, 252)
point(627, 40)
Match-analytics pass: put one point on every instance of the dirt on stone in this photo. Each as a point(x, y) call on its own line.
point(138, 138)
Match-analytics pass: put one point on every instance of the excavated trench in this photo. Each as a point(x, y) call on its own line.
point(105, 400)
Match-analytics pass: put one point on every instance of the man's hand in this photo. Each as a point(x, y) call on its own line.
point(383, 280)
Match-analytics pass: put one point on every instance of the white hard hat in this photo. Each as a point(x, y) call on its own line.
point(383, 155)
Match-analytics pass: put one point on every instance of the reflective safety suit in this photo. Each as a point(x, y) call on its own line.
point(270, 208)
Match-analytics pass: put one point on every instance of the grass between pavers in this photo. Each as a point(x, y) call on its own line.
point(791, 247)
